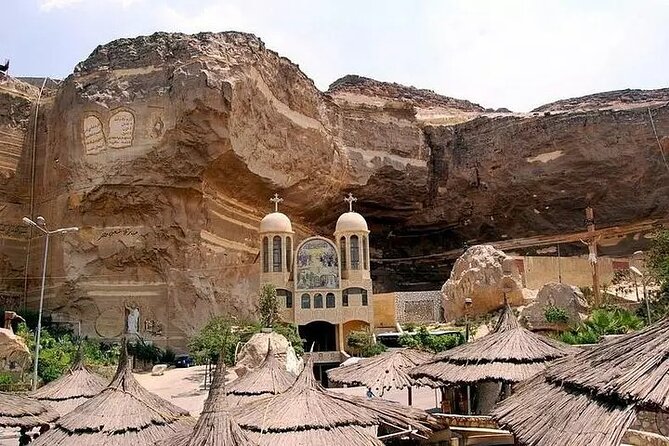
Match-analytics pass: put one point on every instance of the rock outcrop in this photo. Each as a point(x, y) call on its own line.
point(480, 275)
point(561, 295)
point(253, 353)
point(163, 149)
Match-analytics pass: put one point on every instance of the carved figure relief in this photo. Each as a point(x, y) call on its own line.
point(132, 315)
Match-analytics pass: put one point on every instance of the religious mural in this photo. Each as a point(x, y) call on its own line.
point(317, 265)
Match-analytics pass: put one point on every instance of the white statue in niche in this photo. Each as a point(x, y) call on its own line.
point(133, 320)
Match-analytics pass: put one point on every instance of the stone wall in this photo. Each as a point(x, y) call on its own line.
point(536, 271)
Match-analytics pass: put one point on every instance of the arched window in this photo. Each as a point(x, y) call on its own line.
point(287, 295)
point(365, 254)
point(276, 254)
point(329, 300)
point(364, 298)
point(342, 252)
point(306, 301)
point(355, 252)
point(318, 300)
point(265, 255)
point(289, 254)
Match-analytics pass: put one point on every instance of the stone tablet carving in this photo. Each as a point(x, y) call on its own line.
point(94, 137)
point(121, 129)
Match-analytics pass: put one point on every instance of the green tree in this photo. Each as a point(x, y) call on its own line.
point(215, 337)
point(658, 259)
point(268, 305)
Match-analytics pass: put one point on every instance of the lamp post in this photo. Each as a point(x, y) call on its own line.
point(468, 304)
point(41, 225)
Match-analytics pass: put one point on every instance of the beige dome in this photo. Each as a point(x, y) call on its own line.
point(275, 222)
point(351, 222)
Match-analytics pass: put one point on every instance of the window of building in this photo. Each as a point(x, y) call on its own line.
point(289, 254)
point(344, 298)
point(318, 300)
point(365, 254)
point(265, 255)
point(329, 300)
point(364, 298)
point(342, 252)
point(306, 301)
point(287, 295)
point(355, 252)
point(276, 254)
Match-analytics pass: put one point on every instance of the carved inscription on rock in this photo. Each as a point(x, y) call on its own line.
point(121, 129)
point(94, 137)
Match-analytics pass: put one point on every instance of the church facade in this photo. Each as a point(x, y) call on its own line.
point(323, 284)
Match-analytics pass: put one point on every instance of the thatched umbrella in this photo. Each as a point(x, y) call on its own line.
point(307, 414)
point(73, 388)
point(124, 413)
point(22, 411)
point(389, 370)
point(510, 354)
point(215, 427)
point(271, 378)
point(594, 396)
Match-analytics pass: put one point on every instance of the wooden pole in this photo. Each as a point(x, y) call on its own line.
point(410, 396)
point(592, 255)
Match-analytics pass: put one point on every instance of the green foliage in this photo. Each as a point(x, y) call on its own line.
point(361, 343)
point(603, 321)
point(410, 326)
point(423, 340)
point(5, 379)
point(268, 305)
point(168, 356)
point(58, 352)
point(215, 337)
point(145, 352)
point(555, 314)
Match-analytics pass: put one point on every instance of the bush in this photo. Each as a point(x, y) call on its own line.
point(603, 321)
point(57, 352)
point(423, 340)
point(361, 343)
point(215, 337)
point(555, 314)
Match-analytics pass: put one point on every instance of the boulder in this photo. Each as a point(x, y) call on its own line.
point(560, 295)
point(14, 354)
point(253, 353)
point(480, 274)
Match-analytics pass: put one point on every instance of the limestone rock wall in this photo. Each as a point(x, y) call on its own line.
point(165, 148)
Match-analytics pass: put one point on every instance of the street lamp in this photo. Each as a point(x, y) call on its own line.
point(41, 225)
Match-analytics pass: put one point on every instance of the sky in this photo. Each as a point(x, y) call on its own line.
point(517, 54)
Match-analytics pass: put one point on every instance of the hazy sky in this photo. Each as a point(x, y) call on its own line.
point(499, 53)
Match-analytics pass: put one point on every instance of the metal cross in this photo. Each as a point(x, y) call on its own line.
point(350, 199)
point(276, 200)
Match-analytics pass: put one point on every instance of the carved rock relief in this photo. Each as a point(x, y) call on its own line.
point(120, 132)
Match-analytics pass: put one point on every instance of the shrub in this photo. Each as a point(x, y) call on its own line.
point(423, 340)
point(361, 343)
point(603, 321)
point(555, 314)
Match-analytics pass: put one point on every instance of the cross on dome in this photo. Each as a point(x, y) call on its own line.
point(350, 199)
point(276, 200)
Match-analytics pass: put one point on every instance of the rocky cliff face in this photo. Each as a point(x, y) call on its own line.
point(164, 150)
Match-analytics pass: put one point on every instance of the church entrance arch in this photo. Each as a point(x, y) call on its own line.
point(323, 336)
